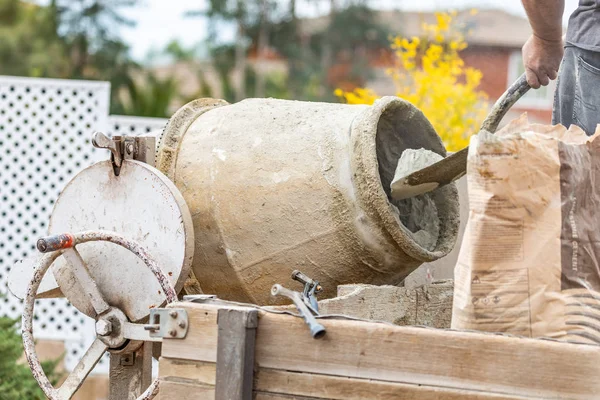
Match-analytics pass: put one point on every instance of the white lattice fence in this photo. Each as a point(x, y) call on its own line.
point(45, 131)
point(133, 126)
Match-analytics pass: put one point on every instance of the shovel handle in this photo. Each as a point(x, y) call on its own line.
point(455, 166)
point(504, 103)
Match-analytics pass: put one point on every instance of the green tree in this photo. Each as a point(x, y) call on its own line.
point(89, 30)
point(30, 44)
point(244, 15)
point(223, 58)
point(350, 33)
point(354, 32)
point(149, 96)
point(179, 53)
point(16, 380)
point(112, 63)
point(89, 25)
point(284, 37)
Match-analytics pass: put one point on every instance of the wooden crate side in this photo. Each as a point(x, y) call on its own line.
point(270, 382)
point(278, 396)
point(185, 379)
point(185, 391)
point(178, 377)
point(194, 372)
point(409, 355)
point(201, 340)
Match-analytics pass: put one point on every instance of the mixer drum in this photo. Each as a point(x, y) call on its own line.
point(276, 185)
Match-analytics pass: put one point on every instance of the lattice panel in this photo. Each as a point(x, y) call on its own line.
point(134, 126)
point(45, 131)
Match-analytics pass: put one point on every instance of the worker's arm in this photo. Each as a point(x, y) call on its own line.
point(543, 51)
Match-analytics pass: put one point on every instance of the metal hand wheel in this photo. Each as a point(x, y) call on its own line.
point(113, 330)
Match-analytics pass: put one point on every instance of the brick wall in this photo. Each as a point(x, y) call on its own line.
point(493, 63)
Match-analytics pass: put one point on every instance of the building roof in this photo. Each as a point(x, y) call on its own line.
point(489, 27)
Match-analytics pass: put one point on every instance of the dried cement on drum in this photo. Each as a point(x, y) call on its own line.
point(286, 184)
point(418, 214)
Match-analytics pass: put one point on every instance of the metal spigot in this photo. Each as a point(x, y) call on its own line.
point(316, 329)
point(305, 302)
point(311, 289)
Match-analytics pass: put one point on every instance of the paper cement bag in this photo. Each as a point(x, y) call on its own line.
point(529, 264)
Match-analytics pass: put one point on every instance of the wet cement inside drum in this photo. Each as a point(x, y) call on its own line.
point(418, 214)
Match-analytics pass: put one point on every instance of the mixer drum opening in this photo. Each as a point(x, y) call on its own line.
point(431, 219)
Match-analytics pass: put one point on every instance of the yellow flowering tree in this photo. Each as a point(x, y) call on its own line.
point(431, 74)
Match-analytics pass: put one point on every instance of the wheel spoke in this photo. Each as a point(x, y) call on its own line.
point(83, 276)
point(82, 370)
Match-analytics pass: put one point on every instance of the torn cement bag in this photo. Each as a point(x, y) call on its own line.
point(529, 263)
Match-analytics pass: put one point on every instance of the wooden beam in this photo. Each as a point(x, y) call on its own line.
point(201, 340)
point(276, 383)
point(130, 374)
point(416, 356)
point(185, 391)
point(235, 353)
point(194, 372)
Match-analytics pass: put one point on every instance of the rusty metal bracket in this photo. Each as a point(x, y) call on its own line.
point(101, 141)
point(169, 323)
point(127, 360)
point(140, 148)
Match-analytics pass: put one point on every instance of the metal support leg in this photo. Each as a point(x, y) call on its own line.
point(235, 354)
point(130, 373)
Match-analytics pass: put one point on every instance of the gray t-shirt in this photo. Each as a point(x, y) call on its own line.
point(583, 30)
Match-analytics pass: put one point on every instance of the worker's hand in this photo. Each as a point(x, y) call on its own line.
point(541, 59)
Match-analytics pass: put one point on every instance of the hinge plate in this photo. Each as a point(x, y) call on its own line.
point(168, 323)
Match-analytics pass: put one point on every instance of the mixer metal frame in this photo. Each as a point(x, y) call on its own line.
point(130, 344)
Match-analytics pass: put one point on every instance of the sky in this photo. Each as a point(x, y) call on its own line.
point(160, 21)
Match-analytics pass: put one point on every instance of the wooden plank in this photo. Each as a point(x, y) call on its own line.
point(285, 384)
point(278, 396)
point(185, 391)
point(293, 384)
point(195, 372)
point(429, 306)
point(130, 374)
point(201, 340)
point(235, 353)
point(275, 384)
point(459, 360)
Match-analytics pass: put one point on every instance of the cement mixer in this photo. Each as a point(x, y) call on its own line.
point(276, 185)
point(228, 200)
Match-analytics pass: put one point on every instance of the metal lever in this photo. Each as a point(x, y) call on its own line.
point(311, 289)
point(316, 329)
point(101, 141)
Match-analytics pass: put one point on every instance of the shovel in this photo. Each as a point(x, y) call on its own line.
point(454, 166)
